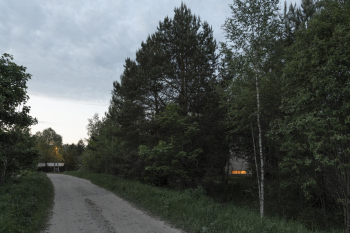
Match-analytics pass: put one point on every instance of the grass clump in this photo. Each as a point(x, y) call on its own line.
point(25, 202)
point(190, 210)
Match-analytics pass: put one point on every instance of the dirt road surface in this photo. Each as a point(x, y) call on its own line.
point(81, 206)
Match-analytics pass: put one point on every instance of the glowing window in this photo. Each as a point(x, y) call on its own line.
point(238, 172)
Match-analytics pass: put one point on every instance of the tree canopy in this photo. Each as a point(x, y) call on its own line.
point(49, 145)
point(16, 143)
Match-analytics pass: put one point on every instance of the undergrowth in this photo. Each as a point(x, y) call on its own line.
point(25, 202)
point(191, 210)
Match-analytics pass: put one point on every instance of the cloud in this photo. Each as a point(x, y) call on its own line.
point(76, 49)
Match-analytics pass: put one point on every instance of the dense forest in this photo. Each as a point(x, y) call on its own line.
point(276, 93)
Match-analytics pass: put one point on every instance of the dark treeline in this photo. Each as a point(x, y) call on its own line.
point(276, 94)
point(17, 151)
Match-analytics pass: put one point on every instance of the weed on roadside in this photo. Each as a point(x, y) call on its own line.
point(25, 202)
point(191, 210)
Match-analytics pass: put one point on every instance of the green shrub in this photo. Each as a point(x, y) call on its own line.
point(25, 202)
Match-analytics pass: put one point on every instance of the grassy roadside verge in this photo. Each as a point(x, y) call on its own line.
point(25, 203)
point(190, 210)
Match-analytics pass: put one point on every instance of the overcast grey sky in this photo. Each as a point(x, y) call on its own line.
point(75, 49)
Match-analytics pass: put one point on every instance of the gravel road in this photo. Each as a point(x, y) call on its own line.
point(81, 206)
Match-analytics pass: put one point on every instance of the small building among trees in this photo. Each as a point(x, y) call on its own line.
point(51, 167)
point(237, 166)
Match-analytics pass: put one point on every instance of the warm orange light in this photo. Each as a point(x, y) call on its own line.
point(238, 172)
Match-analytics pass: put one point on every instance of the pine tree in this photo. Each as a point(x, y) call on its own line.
point(180, 59)
point(174, 66)
point(189, 66)
point(298, 17)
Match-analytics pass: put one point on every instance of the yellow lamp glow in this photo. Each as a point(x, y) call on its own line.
point(238, 172)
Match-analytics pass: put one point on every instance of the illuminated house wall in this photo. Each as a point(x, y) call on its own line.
point(237, 166)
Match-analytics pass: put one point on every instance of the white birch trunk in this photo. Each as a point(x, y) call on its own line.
point(256, 165)
point(260, 148)
point(256, 71)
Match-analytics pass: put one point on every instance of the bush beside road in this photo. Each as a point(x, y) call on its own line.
point(25, 203)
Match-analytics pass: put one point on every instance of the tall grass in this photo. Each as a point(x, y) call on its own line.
point(190, 210)
point(25, 203)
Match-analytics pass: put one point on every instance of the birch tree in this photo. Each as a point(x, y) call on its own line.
point(250, 31)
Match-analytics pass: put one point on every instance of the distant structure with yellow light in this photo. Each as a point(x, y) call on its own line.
point(237, 166)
